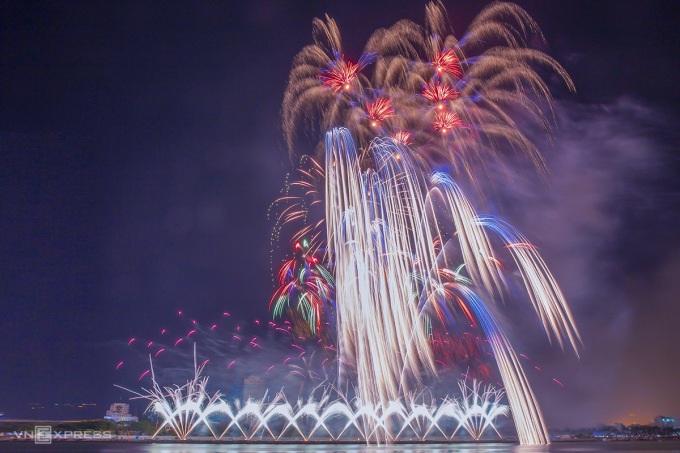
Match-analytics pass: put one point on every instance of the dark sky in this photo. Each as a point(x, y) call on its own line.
point(140, 150)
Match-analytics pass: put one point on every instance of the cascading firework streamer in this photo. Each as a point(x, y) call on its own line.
point(383, 223)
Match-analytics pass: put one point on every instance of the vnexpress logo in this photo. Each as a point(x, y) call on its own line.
point(42, 435)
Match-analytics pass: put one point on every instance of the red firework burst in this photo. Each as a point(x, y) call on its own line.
point(439, 92)
point(446, 61)
point(403, 137)
point(340, 75)
point(379, 111)
point(445, 121)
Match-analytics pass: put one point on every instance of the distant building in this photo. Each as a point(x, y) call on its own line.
point(662, 421)
point(253, 387)
point(120, 413)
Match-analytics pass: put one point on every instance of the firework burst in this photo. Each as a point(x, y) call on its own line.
point(379, 111)
point(416, 66)
point(403, 137)
point(340, 75)
point(306, 287)
point(438, 93)
point(445, 122)
point(446, 62)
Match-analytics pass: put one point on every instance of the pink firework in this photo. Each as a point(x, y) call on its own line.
point(446, 61)
point(438, 92)
point(379, 111)
point(340, 75)
point(403, 137)
point(444, 122)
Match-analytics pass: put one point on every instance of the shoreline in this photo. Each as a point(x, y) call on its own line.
point(148, 440)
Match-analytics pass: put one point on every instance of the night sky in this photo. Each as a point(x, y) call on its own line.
point(140, 149)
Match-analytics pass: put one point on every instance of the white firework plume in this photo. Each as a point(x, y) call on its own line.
point(478, 408)
point(183, 408)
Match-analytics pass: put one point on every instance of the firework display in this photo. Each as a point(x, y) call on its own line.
point(392, 279)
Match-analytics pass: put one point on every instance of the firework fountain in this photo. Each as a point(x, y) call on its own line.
point(188, 408)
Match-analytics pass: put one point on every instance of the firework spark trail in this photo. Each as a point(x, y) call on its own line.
point(545, 294)
point(526, 413)
point(382, 228)
point(446, 122)
point(439, 93)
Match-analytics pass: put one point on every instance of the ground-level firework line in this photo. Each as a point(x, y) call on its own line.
point(186, 408)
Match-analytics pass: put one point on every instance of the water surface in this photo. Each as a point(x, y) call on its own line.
point(125, 447)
